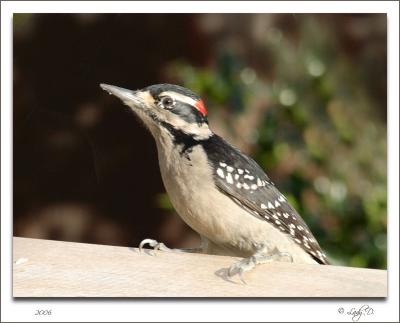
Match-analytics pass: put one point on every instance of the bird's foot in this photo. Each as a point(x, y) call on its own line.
point(160, 246)
point(261, 256)
point(153, 244)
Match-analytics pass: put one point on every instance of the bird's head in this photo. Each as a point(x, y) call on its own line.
point(166, 108)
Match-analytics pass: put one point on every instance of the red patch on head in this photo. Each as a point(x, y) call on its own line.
point(200, 106)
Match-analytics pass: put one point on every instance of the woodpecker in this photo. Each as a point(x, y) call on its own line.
point(221, 193)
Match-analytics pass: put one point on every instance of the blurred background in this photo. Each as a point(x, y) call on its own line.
point(304, 95)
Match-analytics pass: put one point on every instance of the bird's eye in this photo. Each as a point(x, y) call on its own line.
point(167, 102)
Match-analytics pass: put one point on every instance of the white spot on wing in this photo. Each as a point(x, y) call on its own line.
point(229, 169)
point(254, 186)
point(222, 164)
point(220, 173)
point(240, 171)
point(229, 178)
point(263, 206)
point(270, 206)
point(259, 183)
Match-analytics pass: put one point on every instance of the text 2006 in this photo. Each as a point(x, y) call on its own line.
point(43, 312)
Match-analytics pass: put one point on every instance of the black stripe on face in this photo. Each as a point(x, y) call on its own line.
point(184, 110)
point(188, 113)
point(185, 141)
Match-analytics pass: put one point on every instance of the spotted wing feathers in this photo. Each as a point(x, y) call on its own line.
point(246, 183)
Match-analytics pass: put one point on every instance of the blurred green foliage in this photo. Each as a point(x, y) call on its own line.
point(321, 135)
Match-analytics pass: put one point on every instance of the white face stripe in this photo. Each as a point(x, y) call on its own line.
point(199, 132)
point(179, 97)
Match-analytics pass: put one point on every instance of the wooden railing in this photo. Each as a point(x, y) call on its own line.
point(45, 268)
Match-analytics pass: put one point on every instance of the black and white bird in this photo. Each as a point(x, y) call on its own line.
point(217, 190)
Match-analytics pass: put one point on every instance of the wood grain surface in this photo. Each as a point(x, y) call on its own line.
point(45, 268)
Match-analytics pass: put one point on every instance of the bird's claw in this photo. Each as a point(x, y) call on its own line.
point(153, 244)
point(246, 264)
point(238, 268)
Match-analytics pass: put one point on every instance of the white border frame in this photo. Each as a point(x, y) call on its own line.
point(199, 310)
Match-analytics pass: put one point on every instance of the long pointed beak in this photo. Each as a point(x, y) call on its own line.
point(127, 96)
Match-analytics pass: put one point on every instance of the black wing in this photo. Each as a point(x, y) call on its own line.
point(243, 180)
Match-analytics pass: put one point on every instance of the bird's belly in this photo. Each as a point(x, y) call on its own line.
point(230, 228)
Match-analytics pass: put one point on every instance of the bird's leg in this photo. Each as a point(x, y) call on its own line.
point(265, 253)
point(160, 246)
